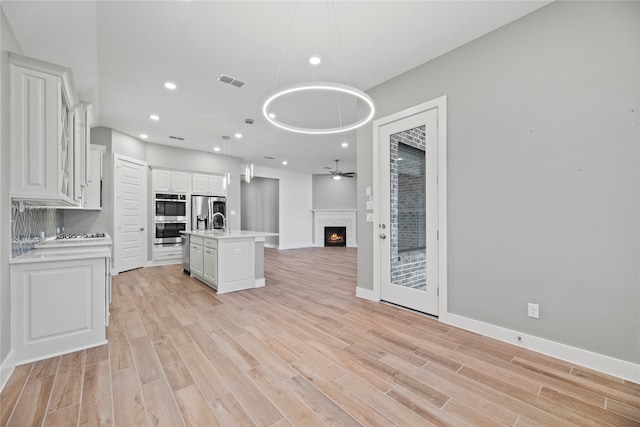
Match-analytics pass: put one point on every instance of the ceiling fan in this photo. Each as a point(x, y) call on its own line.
point(337, 173)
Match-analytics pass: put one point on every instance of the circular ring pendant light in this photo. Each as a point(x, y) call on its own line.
point(319, 86)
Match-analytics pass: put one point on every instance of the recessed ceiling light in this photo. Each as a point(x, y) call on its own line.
point(238, 135)
point(216, 148)
point(284, 162)
point(170, 85)
point(315, 60)
point(154, 117)
point(345, 144)
point(144, 136)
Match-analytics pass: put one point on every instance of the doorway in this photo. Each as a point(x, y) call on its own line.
point(410, 164)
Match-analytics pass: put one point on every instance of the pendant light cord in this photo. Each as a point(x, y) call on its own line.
point(286, 46)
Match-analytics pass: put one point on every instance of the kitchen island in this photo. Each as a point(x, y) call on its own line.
point(227, 260)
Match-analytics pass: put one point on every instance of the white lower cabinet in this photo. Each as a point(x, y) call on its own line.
point(196, 259)
point(59, 307)
point(210, 268)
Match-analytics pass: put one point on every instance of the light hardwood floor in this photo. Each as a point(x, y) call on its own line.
point(303, 351)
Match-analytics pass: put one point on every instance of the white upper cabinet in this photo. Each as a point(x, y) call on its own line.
point(43, 133)
point(172, 181)
point(93, 193)
point(207, 184)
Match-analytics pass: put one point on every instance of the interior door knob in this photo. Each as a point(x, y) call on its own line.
point(142, 229)
point(383, 236)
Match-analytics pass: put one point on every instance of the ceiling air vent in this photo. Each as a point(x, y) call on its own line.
point(176, 137)
point(230, 80)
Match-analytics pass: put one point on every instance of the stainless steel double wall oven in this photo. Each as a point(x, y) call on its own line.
point(170, 218)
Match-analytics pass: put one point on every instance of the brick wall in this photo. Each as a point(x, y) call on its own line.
point(408, 208)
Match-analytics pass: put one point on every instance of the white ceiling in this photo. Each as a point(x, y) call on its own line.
point(122, 52)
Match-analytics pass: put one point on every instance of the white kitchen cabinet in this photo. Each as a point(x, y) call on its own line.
point(59, 306)
point(43, 131)
point(167, 254)
point(93, 193)
point(196, 259)
point(204, 184)
point(170, 181)
point(210, 267)
point(216, 185)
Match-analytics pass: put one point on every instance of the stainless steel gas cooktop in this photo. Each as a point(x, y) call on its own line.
point(76, 236)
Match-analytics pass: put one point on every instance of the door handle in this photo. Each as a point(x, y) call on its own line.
point(142, 229)
point(383, 236)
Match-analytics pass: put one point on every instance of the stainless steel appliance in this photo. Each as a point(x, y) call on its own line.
point(170, 218)
point(170, 207)
point(168, 232)
point(185, 254)
point(203, 209)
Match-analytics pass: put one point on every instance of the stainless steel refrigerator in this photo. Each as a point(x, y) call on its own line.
point(202, 210)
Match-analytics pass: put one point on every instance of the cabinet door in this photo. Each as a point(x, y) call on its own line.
point(179, 182)
point(196, 260)
point(216, 185)
point(200, 183)
point(210, 266)
point(161, 180)
point(60, 307)
point(93, 192)
point(34, 135)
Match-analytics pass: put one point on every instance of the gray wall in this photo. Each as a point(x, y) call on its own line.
point(543, 189)
point(334, 194)
point(260, 206)
point(7, 42)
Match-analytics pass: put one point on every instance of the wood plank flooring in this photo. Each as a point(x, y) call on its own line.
point(303, 351)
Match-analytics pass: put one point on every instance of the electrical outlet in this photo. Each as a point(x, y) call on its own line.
point(533, 310)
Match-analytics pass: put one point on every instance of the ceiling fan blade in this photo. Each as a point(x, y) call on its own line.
point(349, 174)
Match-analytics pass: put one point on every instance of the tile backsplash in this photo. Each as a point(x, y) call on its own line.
point(29, 224)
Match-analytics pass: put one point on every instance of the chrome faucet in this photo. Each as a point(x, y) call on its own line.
point(224, 220)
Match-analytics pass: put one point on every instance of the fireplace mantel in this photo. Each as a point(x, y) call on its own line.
point(334, 218)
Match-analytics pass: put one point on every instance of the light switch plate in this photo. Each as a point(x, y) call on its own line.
point(369, 205)
point(369, 217)
point(368, 191)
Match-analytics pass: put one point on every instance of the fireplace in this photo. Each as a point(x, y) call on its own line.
point(335, 236)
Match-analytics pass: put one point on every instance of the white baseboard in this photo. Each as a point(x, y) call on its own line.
point(598, 362)
point(295, 246)
point(259, 283)
point(367, 294)
point(270, 245)
point(6, 368)
point(591, 360)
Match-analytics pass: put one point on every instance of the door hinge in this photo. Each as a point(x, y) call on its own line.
point(438, 291)
point(438, 235)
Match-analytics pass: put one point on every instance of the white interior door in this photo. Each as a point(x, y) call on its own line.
point(408, 220)
point(130, 217)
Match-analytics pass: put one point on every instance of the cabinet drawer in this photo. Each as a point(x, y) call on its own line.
point(198, 240)
point(163, 256)
point(211, 243)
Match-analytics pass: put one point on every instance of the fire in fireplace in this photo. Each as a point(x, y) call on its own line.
point(335, 236)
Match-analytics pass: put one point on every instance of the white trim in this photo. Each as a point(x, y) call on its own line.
point(367, 294)
point(270, 245)
point(598, 362)
point(6, 368)
point(441, 105)
point(259, 283)
point(295, 246)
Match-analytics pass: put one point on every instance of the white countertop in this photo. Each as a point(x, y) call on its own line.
point(62, 254)
point(231, 234)
point(53, 243)
point(67, 249)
